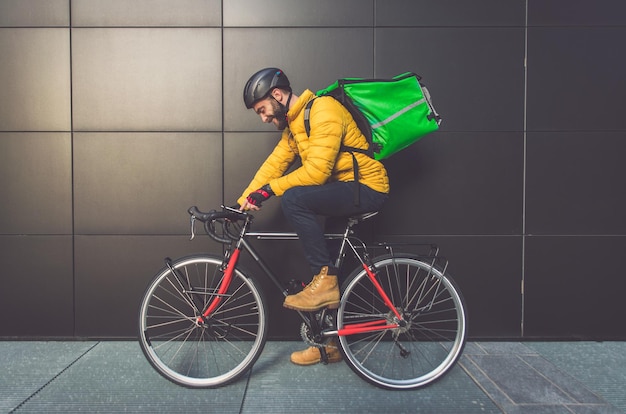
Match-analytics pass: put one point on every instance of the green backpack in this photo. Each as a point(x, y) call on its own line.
point(391, 113)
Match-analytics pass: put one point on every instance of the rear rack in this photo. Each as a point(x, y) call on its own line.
point(427, 252)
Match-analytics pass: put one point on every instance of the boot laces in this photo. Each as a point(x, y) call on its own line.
point(314, 283)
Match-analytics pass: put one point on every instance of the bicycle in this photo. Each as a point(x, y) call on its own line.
point(203, 322)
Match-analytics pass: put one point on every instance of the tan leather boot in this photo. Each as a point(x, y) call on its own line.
point(312, 355)
point(322, 292)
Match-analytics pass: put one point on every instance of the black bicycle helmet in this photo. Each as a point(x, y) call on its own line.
point(262, 83)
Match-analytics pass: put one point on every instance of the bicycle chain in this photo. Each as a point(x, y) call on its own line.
point(305, 333)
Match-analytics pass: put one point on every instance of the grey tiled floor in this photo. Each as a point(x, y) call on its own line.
point(492, 377)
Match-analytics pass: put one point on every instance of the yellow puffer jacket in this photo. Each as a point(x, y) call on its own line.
point(322, 161)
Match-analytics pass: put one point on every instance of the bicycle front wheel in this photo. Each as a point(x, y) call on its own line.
point(424, 346)
point(196, 353)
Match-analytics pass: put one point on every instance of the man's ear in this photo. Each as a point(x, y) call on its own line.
point(278, 95)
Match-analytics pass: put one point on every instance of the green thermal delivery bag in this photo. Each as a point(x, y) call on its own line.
point(391, 113)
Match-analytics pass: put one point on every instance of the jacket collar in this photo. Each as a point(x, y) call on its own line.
point(299, 105)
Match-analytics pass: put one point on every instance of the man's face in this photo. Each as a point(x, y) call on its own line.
point(271, 111)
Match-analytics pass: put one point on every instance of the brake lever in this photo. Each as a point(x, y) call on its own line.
point(192, 219)
point(234, 210)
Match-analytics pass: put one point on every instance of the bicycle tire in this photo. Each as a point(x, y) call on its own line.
point(209, 354)
point(419, 353)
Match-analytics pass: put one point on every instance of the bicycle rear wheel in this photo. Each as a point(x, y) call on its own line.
point(418, 352)
point(201, 354)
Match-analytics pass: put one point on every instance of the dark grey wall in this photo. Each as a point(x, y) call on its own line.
point(116, 116)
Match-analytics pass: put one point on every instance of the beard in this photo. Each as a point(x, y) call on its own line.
point(280, 115)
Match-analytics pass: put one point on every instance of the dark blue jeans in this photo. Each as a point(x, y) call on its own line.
point(302, 205)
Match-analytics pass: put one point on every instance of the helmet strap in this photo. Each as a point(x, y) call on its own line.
point(288, 100)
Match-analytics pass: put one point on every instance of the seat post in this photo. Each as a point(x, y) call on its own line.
point(352, 221)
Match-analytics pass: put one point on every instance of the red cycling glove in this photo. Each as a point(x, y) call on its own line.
point(256, 198)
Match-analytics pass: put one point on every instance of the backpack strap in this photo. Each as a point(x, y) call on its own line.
point(307, 117)
point(343, 148)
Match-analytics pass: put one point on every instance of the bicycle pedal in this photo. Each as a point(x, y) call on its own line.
point(294, 286)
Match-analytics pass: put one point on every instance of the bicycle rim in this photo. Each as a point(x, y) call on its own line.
point(209, 354)
point(410, 356)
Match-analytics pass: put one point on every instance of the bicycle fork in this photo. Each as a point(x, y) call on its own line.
point(223, 287)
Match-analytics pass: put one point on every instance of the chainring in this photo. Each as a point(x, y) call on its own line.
point(309, 337)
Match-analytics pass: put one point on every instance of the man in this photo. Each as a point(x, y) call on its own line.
point(323, 185)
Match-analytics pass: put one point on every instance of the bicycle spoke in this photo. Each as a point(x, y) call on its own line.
point(204, 352)
point(420, 348)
